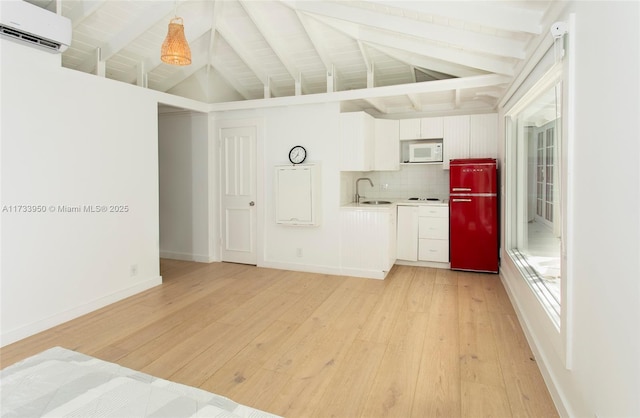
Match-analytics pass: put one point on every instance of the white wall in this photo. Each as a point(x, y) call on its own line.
point(316, 128)
point(601, 376)
point(73, 139)
point(183, 153)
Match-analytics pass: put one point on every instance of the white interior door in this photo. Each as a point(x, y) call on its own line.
point(238, 194)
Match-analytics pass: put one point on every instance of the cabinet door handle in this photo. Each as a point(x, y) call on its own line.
point(252, 203)
point(461, 200)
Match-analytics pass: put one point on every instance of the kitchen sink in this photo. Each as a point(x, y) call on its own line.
point(376, 202)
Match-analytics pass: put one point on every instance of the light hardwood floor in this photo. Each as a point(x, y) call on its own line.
point(422, 343)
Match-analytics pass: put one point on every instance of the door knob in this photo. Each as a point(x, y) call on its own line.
point(252, 203)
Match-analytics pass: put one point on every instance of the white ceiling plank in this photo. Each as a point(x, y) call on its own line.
point(147, 18)
point(80, 10)
point(413, 72)
point(480, 42)
point(355, 44)
point(320, 49)
point(429, 63)
point(500, 15)
point(230, 78)
point(419, 47)
point(434, 74)
point(179, 76)
point(269, 34)
point(242, 53)
point(330, 69)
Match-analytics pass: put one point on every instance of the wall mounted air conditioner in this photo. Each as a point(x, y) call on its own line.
point(23, 22)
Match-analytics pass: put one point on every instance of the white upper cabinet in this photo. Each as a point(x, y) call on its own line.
point(357, 141)
point(456, 139)
point(424, 128)
point(474, 136)
point(431, 128)
point(375, 144)
point(387, 147)
point(483, 136)
point(410, 129)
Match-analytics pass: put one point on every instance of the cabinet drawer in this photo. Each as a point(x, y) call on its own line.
point(433, 250)
point(433, 211)
point(437, 228)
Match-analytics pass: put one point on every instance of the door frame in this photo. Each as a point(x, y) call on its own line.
point(216, 125)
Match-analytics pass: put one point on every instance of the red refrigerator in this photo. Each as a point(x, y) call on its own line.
point(473, 206)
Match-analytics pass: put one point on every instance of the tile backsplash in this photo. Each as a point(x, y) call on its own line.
point(425, 180)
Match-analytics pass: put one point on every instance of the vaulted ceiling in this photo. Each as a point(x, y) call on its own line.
point(441, 56)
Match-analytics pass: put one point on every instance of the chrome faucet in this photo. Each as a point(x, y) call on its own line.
point(357, 184)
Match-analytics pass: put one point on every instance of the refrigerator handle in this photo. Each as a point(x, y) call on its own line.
point(461, 189)
point(461, 200)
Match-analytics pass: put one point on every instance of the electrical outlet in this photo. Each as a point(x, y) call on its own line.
point(133, 271)
point(299, 252)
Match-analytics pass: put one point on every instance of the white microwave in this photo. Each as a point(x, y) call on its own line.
point(427, 152)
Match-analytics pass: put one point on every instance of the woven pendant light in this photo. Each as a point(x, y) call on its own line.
point(175, 49)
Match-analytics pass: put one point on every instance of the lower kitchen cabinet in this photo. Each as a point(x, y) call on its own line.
point(423, 233)
point(433, 233)
point(368, 242)
point(407, 233)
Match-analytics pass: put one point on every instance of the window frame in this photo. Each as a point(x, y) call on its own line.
point(516, 204)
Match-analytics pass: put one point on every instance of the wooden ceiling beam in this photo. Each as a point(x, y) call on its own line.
point(366, 18)
point(498, 15)
point(420, 47)
point(373, 93)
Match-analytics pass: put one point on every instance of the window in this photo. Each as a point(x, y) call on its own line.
point(534, 192)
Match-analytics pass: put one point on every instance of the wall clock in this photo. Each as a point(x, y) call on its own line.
point(297, 154)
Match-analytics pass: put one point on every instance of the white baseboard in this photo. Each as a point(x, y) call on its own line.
point(61, 317)
point(433, 264)
point(307, 268)
point(173, 255)
point(366, 274)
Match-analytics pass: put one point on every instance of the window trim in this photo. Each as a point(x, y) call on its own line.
point(514, 202)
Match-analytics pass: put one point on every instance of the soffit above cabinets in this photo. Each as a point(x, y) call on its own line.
point(431, 57)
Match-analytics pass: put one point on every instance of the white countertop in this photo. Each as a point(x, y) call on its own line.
point(394, 203)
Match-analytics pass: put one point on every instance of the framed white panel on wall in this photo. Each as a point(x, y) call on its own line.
point(297, 192)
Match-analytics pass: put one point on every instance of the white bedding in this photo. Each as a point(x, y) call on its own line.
point(63, 383)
